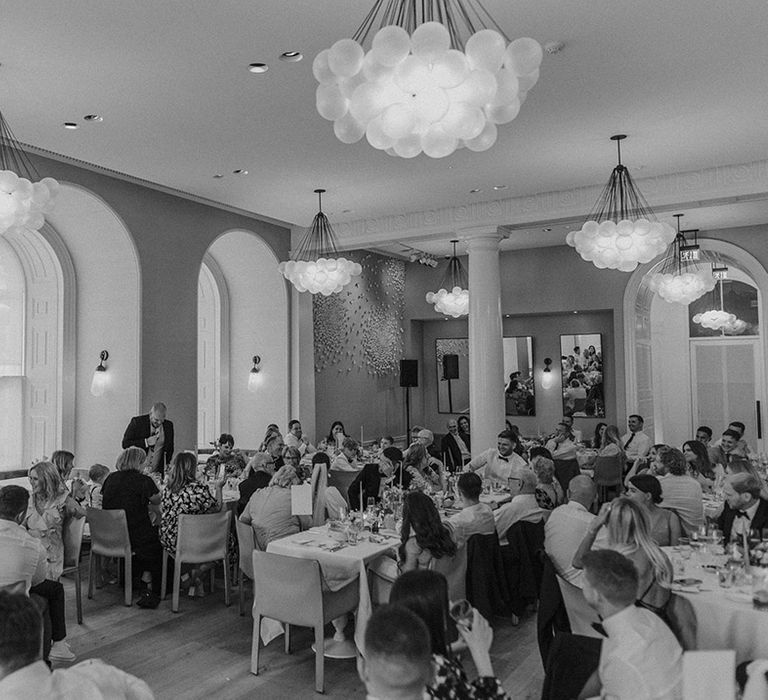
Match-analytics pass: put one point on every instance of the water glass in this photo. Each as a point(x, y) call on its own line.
point(678, 564)
point(725, 576)
point(462, 613)
point(759, 588)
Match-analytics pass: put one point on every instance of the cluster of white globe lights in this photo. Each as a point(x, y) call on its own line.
point(413, 93)
point(719, 320)
point(23, 204)
point(324, 276)
point(451, 303)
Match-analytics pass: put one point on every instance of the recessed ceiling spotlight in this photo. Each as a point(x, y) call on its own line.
point(500, 187)
point(347, 211)
point(258, 67)
point(70, 125)
point(291, 56)
point(475, 190)
point(218, 176)
point(547, 229)
point(240, 171)
point(93, 118)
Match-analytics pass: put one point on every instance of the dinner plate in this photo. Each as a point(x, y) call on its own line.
point(687, 582)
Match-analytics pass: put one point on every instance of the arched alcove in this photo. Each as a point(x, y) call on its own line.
point(658, 352)
point(242, 294)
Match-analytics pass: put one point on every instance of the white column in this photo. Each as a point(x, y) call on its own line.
point(486, 358)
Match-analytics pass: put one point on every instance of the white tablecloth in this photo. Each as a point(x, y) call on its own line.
point(495, 499)
point(725, 617)
point(338, 567)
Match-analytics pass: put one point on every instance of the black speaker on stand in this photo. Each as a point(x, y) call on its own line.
point(450, 371)
point(409, 377)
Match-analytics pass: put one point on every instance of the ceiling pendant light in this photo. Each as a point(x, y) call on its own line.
point(718, 319)
point(679, 279)
point(621, 231)
point(308, 270)
point(421, 87)
point(23, 203)
point(452, 299)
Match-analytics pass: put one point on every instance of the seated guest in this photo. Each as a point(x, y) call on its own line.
point(346, 460)
point(475, 518)
point(680, 492)
point(577, 435)
point(258, 473)
point(25, 563)
point(523, 505)
point(597, 438)
point(549, 493)
point(498, 462)
point(396, 663)
point(336, 435)
point(635, 442)
point(611, 443)
point(374, 477)
point(640, 658)
point(567, 525)
point(129, 490)
point(269, 510)
point(645, 489)
point(518, 448)
point(295, 438)
point(423, 536)
point(742, 448)
point(185, 495)
point(629, 534)
point(23, 674)
point(645, 465)
point(697, 458)
point(292, 458)
point(726, 451)
point(50, 507)
point(64, 461)
point(464, 431)
point(704, 435)
point(227, 456)
point(417, 465)
point(327, 501)
point(539, 451)
point(562, 445)
point(427, 438)
point(425, 593)
point(272, 430)
point(97, 475)
point(454, 448)
point(385, 442)
point(744, 509)
point(273, 445)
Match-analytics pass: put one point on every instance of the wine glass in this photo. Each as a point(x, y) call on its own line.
point(462, 613)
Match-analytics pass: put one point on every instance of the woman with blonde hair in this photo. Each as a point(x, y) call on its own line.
point(611, 443)
point(549, 492)
point(629, 533)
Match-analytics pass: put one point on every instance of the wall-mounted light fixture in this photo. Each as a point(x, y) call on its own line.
point(254, 376)
point(100, 378)
point(547, 376)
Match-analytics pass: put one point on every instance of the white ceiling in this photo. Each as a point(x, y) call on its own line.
point(686, 80)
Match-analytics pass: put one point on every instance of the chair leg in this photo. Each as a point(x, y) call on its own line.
point(320, 658)
point(164, 578)
point(213, 578)
point(176, 585)
point(78, 596)
point(128, 572)
point(255, 641)
point(287, 638)
point(240, 592)
point(91, 573)
point(227, 597)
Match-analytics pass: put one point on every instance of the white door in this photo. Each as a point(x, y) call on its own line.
point(727, 385)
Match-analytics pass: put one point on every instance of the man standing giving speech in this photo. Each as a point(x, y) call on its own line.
point(153, 434)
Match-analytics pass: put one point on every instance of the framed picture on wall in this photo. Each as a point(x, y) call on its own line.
point(581, 360)
point(519, 390)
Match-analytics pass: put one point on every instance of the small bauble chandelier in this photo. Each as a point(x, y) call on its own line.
point(621, 231)
point(23, 203)
point(315, 267)
point(717, 318)
point(680, 280)
point(421, 88)
point(452, 299)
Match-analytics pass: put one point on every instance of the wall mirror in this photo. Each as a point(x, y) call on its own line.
point(581, 359)
point(519, 390)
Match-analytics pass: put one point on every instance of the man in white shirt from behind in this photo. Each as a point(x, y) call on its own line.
point(636, 443)
point(499, 462)
point(523, 505)
point(474, 518)
point(640, 659)
point(566, 526)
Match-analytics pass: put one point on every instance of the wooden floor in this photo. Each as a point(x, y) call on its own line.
point(203, 651)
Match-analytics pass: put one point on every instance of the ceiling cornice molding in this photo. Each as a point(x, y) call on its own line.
point(701, 188)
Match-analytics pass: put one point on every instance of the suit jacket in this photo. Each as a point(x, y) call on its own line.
point(452, 452)
point(370, 479)
point(725, 521)
point(139, 429)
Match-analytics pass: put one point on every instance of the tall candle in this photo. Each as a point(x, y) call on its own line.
point(361, 435)
point(361, 498)
point(746, 549)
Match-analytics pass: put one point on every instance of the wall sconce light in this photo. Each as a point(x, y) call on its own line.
point(100, 379)
point(254, 377)
point(547, 376)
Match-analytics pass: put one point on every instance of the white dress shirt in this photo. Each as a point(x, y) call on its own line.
point(342, 464)
point(476, 519)
point(496, 465)
point(563, 532)
point(742, 525)
point(291, 440)
point(521, 507)
point(22, 557)
point(563, 450)
point(639, 447)
point(640, 659)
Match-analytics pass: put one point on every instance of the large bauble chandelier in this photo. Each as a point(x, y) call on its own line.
point(23, 203)
point(420, 88)
point(452, 299)
point(315, 268)
point(680, 280)
point(621, 231)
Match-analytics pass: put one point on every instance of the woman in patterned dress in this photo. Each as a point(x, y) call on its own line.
point(233, 460)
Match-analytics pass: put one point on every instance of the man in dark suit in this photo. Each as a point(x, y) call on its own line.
point(454, 448)
point(153, 434)
point(744, 509)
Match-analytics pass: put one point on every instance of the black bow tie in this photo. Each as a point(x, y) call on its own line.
point(742, 514)
point(503, 459)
